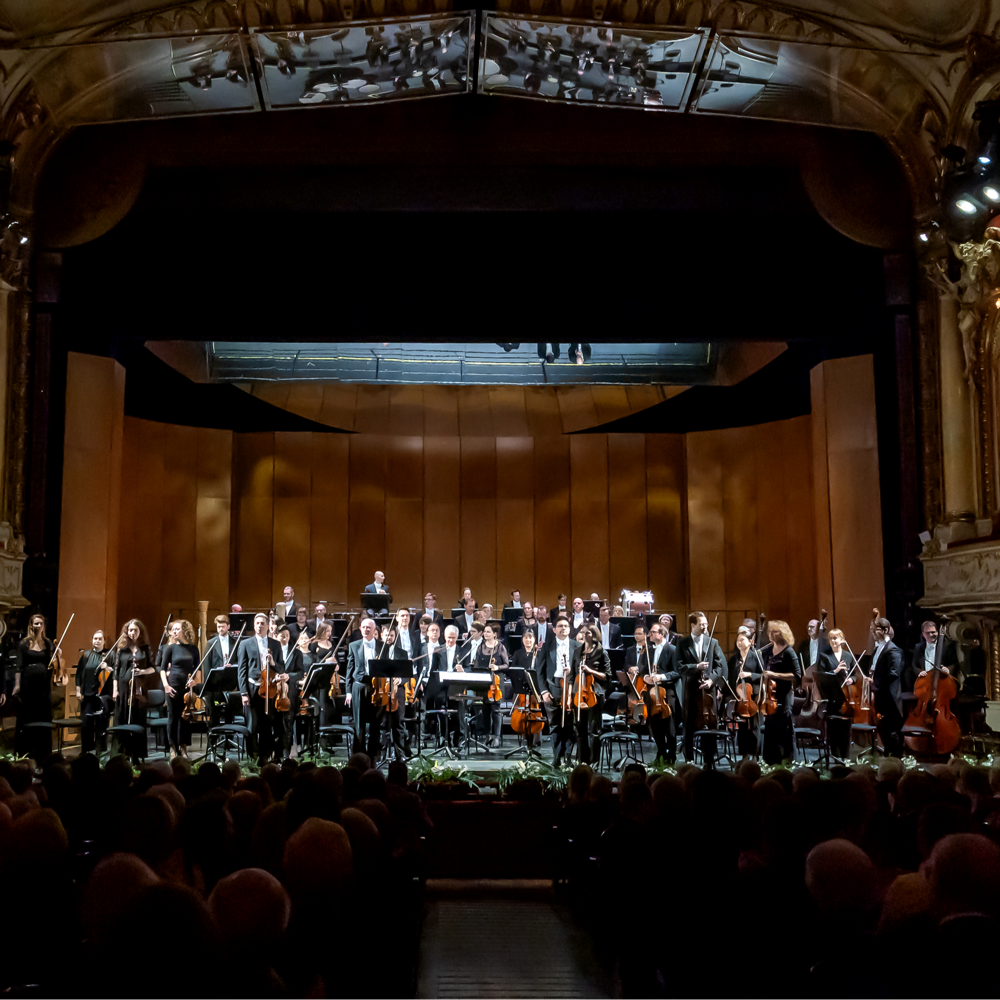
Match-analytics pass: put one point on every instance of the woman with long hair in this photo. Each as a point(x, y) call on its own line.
point(491, 653)
point(177, 664)
point(591, 660)
point(782, 667)
point(133, 668)
point(745, 668)
point(33, 683)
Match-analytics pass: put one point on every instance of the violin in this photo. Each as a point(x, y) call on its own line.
point(932, 713)
point(57, 663)
point(566, 697)
point(282, 702)
point(707, 710)
point(335, 688)
point(656, 696)
point(386, 691)
point(635, 686)
point(746, 707)
point(495, 692)
point(585, 695)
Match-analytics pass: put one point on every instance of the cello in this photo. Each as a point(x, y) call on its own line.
point(938, 731)
point(526, 715)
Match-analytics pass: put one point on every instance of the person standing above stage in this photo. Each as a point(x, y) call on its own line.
point(745, 668)
point(378, 587)
point(667, 623)
point(809, 647)
point(579, 618)
point(288, 607)
point(257, 652)
point(133, 659)
point(557, 664)
point(93, 711)
point(491, 652)
point(360, 688)
point(657, 664)
point(528, 657)
point(559, 608)
point(178, 663)
point(702, 665)
point(33, 681)
point(430, 609)
point(923, 656)
point(782, 666)
point(590, 659)
point(299, 626)
point(292, 664)
point(465, 620)
point(543, 630)
point(886, 671)
point(611, 634)
point(515, 600)
point(832, 669)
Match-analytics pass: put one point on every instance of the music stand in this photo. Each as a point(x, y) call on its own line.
point(220, 682)
point(512, 614)
point(317, 680)
point(593, 608)
point(480, 688)
point(524, 681)
point(241, 621)
point(375, 602)
point(388, 669)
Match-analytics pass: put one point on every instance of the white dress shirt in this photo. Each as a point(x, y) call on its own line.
point(929, 656)
point(578, 618)
point(450, 654)
point(657, 650)
point(879, 646)
point(813, 650)
point(606, 634)
point(404, 641)
point(562, 657)
point(369, 647)
point(224, 645)
point(542, 626)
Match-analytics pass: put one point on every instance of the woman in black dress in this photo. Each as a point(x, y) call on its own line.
point(781, 665)
point(526, 658)
point(834, 666)
point(745, 668)
point(591, 659)
point(179, 661)
point(33, 683)
point(133, 661)
point(491, 652)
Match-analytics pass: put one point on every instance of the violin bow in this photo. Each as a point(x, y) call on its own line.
point(55, 652)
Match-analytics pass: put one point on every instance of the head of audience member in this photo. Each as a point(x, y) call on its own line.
point(114, 883)
point(963, 871)
point(841, 880)
point(244, 902)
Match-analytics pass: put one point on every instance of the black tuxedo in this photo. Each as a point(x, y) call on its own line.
point(280, 609)
point(886, 674)
point(434, 615)
point(573, 627)
point(267, 724)
point(547, 669)
point(614, 635)
point(546, 665)
point(918, 662)
point(370, 589)
point(216, 657)
point(463, 623)
point(804, 658)
point(686, 659)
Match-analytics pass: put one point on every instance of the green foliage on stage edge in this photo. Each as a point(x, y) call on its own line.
point(551, 778)
point(431, 772)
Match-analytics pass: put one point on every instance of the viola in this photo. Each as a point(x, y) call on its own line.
point(656, 701)
point(495, 692)
point(386, 693)
point(746, 707)
point(268, 687)
point(335, 689)
point(635, 687)
point(585, 696)
point(282, 702)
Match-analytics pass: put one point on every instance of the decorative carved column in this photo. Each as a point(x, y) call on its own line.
point(957, 435)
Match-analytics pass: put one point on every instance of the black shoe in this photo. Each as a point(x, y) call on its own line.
point(557, 762)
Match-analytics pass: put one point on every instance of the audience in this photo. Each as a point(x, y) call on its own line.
point(823, 885)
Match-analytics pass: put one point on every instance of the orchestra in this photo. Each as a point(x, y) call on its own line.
point(590, 671)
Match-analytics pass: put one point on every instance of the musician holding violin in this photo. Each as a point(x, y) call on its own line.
point(702, 665)
point(589, 672)
point(834, 667)
point(178, 661)
point(659, 673)
point(33, 682)
point(886, 673)
point(745, 670)
point(93, 673)
point(782, 673)
point(491, 657)
point(556, 664)
point(133, 674)
point(292, 665)
point(257, 668)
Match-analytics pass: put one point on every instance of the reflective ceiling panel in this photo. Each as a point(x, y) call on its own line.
point(365, 61)
point(462, 364)
point(809, 82)
point(589, 63)
point(141, 78)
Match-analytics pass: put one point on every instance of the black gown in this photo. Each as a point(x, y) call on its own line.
point(779, 740)
point(128, 660)
point(749, 733)
point(179, 661)
point(36, 699)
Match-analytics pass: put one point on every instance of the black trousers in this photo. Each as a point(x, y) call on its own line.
point(748, 737)
point(779, 740)
point(178, 731)
point(562, 732)
point(664, 733)
point(267, 725)
point(838, 732)
point(365, 721)
point(890, 727)
point(588, 726)
point(93, 714)
point(390, 725)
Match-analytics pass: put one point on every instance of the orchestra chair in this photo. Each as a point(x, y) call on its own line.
point(865, 732)
point(72, 722)
point(338, 729)
point(37, 726)
point(725, 744)
point(157, 702)
point(617, 734)
point(124, 733)
point(232, 735)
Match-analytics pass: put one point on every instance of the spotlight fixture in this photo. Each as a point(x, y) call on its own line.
point(924, 238)
point(967, 206)
point(992, 192)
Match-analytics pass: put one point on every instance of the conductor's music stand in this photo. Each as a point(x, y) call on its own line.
point(524, 682)
point(388, 669)
point(459, 692)
point(317, 681)
point(375, 602)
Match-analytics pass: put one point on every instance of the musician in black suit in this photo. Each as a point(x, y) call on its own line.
point(922, 659)
point(319, 618)
point(221, 652)
point(781, 665)
point(557, 664)
point(291, 663)
point(389, 721)
point(447, 659)
point(611, 634)
point(559, 607)
point(378, 587)
point(578, 617)
point(658, 666)
point(463, 622)
point(515, 600)
point(256, 652)
point(809, 648)
point(359, 690)
point(544, 634)
point(702, 665)
point(288, 607)
point(886, 673)
point(430, 608)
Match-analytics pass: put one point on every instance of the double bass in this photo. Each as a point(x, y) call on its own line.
point(940, 731)
point(809, 687)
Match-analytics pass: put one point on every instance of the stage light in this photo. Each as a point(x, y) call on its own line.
point(964, 205)
point(924, 238)
point(985, 161)
point(991, 192)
